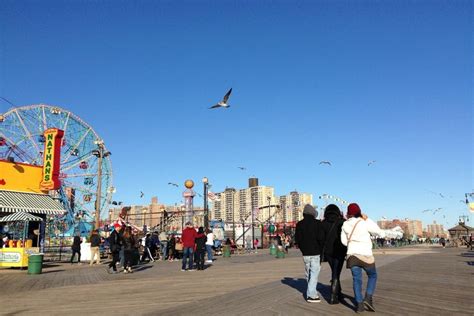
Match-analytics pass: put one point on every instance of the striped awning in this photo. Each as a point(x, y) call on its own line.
point(12, 202)
point(21, 217)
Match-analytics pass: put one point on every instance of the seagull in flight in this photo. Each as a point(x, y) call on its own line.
point(242, 168)
point(223, 103)
point(325, 162)
point(141, 194)
point(173, 184)
point(371, 162)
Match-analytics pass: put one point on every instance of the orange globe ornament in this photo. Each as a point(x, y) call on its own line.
point(189, 184)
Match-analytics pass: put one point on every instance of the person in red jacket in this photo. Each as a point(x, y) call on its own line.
point(188, 238)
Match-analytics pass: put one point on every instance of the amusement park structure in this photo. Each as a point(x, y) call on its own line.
point(85, 166)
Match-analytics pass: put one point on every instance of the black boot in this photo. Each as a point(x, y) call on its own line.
point(360, 308)
point(368, 303)
point(334, 297)
point(339, 291)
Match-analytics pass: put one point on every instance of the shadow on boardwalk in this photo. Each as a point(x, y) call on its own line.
point(323, 289)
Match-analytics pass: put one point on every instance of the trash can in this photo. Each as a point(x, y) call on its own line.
point(226, 251)
point(35, 263)
point(280, 254)
point(273, 250)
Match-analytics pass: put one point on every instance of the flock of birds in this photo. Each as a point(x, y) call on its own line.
point(327, 162)
point(224, 103)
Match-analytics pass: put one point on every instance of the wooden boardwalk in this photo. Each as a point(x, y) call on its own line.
point(412, 281)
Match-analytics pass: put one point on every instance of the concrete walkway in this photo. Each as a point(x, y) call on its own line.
point(418, 280)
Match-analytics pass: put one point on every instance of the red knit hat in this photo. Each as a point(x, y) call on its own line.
point(117, 225)
point(353, 209)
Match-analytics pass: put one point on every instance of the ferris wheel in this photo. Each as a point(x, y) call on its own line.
point(22, 140)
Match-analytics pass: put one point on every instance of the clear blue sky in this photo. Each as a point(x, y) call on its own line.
point(342, 81)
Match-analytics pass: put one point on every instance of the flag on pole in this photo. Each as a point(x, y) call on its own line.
point(212, 196)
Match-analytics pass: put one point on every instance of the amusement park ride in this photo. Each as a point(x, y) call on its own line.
point(85, 166)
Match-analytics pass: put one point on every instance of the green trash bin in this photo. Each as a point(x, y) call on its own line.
point(280, 254)
point(226, 253)
point(273, 250)
point(35, 263)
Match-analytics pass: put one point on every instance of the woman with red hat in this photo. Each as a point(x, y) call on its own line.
point(355, 234)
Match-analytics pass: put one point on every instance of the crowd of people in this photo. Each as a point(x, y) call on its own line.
point(196, 248)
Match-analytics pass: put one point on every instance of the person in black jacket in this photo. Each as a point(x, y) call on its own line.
point(200, 248)
point(95, 246)
point(115, 242)
point(128, 242)
point(334, 250)
point(309, 236)
point(76, 248)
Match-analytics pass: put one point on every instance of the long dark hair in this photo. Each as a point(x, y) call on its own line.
point(128, 232)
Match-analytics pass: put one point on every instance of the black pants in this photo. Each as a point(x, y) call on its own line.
point(74, 254)
point(200, 258)
point(147, 254)
point(336, 265)
point(128, 258)
point(115, 259)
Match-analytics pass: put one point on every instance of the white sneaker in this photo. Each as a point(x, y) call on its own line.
point(208, 261)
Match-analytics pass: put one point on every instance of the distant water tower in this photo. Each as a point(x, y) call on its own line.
point(253, 182)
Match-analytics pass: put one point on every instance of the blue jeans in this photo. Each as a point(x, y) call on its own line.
point(312, 267)
point(209, 252)
point(357, 281)
point(188, 254)
point(164, 249)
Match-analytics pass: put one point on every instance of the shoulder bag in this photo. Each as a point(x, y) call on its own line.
point(358, 260)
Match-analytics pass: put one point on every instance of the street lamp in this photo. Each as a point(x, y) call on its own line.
point(100, 153)
point(144, 210)
point(205, 182)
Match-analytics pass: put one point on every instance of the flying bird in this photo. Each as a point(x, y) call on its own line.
point(173, 184)
point(325, 162)
point(223, 103)
point(371, 162)
point(437, 210)
point(141, 194)
point(242, 168)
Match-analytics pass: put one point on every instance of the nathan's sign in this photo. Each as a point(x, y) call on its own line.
point(51, 159)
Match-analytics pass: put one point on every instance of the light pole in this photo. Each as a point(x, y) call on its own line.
point(205, 182)
point(100, 153)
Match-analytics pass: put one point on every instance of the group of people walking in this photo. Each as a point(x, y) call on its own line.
point(337, 240)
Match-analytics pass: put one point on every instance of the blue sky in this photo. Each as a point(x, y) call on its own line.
point(342, 81)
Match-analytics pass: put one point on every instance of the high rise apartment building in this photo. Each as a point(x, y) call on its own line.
point(261, 202)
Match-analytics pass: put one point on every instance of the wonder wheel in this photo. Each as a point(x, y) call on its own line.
point(22, 140)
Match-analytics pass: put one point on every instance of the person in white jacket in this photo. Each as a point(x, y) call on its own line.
point(355, 234)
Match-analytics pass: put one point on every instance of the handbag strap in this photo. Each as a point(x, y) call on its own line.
point(350, 236)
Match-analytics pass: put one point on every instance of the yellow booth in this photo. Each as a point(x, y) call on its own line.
point(16, 252)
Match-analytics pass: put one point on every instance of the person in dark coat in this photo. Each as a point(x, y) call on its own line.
point(309, 238)
point(147, 251)
point(128, 247)
point(334, 250)
point(76, 248)
point(115, 242)
point(200, 248)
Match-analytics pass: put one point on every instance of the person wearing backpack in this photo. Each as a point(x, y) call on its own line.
point(355, 234)
point(333, 251)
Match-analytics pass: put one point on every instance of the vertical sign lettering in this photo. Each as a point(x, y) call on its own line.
point(51, 159)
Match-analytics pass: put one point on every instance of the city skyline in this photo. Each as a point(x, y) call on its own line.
point(348, 83)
